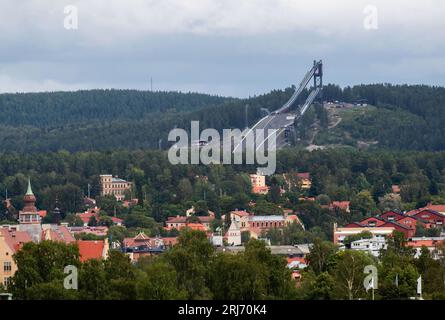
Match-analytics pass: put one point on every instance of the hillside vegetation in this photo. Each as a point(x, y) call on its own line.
point(404, 117)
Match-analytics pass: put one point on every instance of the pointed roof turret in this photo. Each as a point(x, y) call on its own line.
point(29, 191)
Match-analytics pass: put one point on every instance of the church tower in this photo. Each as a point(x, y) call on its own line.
point(29, 214)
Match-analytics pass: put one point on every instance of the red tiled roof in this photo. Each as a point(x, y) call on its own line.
point(260, 189)
point(61, 234)
point(117, 220)
point(299, 259)
point(241, 213)
point(397, 215)
point(343, 205)
point(197, 226)
point(15, 239)
point(90, 249)
point(423, 242)
point(438, 214)
point(436, 207)
point(304, 175)
point(86, 216)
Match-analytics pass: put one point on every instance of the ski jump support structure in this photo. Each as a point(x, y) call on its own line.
point(282, 119)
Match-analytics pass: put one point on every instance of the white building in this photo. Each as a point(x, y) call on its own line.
point(373, 245)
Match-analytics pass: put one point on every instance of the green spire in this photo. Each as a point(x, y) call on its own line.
point(29, 191)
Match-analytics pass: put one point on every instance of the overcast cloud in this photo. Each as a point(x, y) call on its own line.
point(231, 47)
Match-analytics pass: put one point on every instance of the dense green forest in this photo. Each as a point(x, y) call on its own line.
point(406, 118)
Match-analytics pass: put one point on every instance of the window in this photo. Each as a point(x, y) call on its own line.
point(5, 281)
point(7, 266)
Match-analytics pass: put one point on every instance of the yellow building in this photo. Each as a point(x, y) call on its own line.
point(114, 186)
point(11, 240)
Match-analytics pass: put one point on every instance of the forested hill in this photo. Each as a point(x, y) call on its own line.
point(116, 119)
point(56, 109)
point(405, 117)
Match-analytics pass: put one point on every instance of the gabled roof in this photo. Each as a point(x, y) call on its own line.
point(436, 207)
point(366, 221)
point(395, 224)
point(392, 213)
point(58, 233)
point(15, 239)
point(438, 214)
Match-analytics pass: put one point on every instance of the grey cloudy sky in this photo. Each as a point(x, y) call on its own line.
point(225, 47)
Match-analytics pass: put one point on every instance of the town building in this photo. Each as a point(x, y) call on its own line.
point(398, 221)
point(95, 212)
point(93, 249)
point(29, 229)
point(99, 231)
point(114, 186)
point(241, 217)
point(11, 241)
point(433, 218)
point(373, 245)
point(340, 234)
point(258, 183)
point(141, 245)
point(305, 180)
point(233, 235)
point(179, 222)
point(430, 243)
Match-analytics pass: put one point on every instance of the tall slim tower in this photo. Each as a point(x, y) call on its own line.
point(29, 214)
